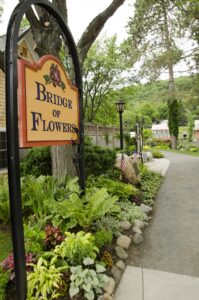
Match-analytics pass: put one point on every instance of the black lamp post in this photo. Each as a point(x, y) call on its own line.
point(120, 104)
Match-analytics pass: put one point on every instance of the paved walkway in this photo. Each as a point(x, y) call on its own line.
point(172, 239)
point(146, 284)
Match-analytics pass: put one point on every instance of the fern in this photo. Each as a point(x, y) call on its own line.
point(114, 187)
point(84, 211)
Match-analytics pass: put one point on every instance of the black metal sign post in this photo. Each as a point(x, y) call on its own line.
point(12, 128)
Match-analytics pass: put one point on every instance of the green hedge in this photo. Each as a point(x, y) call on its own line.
point(37, 162)
point(98, 160)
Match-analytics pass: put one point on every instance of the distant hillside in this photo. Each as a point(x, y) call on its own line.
point(150, 99)
point(187, 90)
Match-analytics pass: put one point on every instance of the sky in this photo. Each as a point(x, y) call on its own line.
point(81, 13)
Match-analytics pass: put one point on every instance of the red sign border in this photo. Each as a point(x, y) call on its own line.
point(35, 66)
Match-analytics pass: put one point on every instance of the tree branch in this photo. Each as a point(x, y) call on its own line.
point(94, 28)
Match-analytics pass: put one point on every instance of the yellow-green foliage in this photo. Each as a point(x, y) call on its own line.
point(76, 247)
point(45, 280)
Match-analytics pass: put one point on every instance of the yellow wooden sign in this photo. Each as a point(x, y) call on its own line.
point(48, 104)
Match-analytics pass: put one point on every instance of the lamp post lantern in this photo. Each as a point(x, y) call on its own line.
point(120, 104)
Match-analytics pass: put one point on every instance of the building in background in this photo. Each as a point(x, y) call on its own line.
point(161, 131)
point(196, 130)
point(25, 50)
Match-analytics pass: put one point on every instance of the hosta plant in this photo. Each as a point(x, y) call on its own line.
point(76, 247)
point(46, 280)
point(87, 281)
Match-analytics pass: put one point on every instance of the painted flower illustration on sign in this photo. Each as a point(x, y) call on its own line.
point(54, 77)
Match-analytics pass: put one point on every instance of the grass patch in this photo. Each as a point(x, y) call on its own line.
point(5, 242)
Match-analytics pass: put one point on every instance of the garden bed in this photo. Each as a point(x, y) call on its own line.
point(76, 246)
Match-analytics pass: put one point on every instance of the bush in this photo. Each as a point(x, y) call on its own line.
point(98, 160)
point(193, 149)
point(37, 162)
point(146, 148)
point(157, 154)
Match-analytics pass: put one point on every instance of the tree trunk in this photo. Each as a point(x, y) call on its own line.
point(168, 46)
point(62, 161)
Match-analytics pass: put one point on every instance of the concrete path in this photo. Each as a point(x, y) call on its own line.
point(159, 165)
point(145, 284)
point(172, 239)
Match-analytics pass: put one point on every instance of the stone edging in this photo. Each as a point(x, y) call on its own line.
point(122, 244)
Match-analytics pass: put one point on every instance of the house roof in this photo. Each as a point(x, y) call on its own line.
point(162, 126)
point(22, 33)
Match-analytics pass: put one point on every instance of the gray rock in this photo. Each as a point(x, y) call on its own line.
point(110, 286)
point(137, 230)
point(146, 209)
point(125, 225)
point(106, 296)
point(149, 156)
point(144, 157)
point(140, 224)
point(146, 218)
point(121, 253)
point(138, 239)
point(120, 264)
point(123, 241)
point(117, 274)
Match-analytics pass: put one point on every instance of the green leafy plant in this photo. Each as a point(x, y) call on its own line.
point(95, 204)
point(157, 154)
point(86, 281)
point(130, 212)
point(37, 162)
point(34, 238)
point(103, 237)
point(4, 278)
point(110, 223)
point(4, 200)
point(76, 247)
point(98, 160)
point(45, 280)
point(149, 185)
point(114, 187)
point(37, 194)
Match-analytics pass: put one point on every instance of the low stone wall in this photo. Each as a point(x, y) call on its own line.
point(103, 136)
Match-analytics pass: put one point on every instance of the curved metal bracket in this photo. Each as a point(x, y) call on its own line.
point(12, 127)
